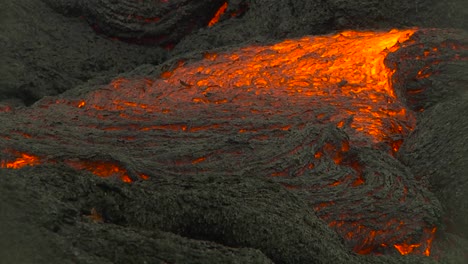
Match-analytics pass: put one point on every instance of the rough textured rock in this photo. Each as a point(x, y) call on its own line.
point(85, 219)
point(22, 237)
point(437, 153)
point(425, 76)
point(210, 186)
point(44, 53)
point(46, 225)
point(161, 23)
point(271, 19)
point(422, 13)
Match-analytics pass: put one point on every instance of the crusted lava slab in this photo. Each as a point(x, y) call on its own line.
point(200, 120)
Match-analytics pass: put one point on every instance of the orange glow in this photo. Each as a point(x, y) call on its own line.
point(81, 104)
point(168, 74)
point(101, 169)
point(144, 176)
point(25, 135)
point(218, 14)
point(340, 75)
point(95, 216)
point(323, 205)
point(358, 181)
point(279, 174)
point(125, 178)
point(118, 82)
point(405, 249)
point(23, 160)
point(198, 160)
point(423, 248)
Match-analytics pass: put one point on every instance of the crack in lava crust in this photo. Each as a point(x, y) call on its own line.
point(317, 114)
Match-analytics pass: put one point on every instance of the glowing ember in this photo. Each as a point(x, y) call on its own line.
point(218, 14)
point(98, 168)
point(101, 169)
point(423, 248)
point(81, 104)
point(23, 160)
point(5, 108)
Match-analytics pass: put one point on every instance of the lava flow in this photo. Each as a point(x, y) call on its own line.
point(340, 78)
point(317, 114)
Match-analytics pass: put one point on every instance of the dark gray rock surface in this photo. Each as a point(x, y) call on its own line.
point(53, 223)
point(437, 152)
point(44, 53)
point(271, 19)
point(58, 215)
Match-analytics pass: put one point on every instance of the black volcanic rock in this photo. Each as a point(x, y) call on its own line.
point(44, 53)
point(268, 20)
point(436, 85)
point(159, 22)
point(428, 75)
point(437, 153)
point(65, 216)
point(43, 224)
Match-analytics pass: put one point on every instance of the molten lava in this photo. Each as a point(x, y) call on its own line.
point(21, 161)
point(101, 169)
point(264, 109)
point(218, 14)
point(335, 78)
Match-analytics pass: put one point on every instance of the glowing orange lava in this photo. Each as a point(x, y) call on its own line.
point(423, 248)
point(81, 104)
point(23, 160)
point(98, 168)
point(218, 14)
point(344, 76)
point(101, 169)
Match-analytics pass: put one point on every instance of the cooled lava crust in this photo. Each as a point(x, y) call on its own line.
point(150, 22)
